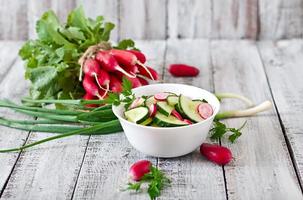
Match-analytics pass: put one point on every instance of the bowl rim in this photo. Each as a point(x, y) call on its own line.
point(167, 128)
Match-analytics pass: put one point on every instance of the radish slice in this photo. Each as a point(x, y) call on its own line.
point(205, 110)
point(137, 102)
point(177, 115)
point(161, 96)
point(152, 110)
point(187, 121)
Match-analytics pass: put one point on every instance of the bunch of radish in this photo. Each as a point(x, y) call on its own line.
point(104, 69)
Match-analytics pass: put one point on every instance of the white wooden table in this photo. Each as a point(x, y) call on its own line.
point(268, 160)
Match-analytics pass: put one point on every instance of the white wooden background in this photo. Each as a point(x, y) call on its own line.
point(162, 19)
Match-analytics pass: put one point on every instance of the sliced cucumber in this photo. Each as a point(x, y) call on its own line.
point(170, 121)
point(189, 108)
point(164, 108)
point(147, 122)
point(150, 100)
point(172, 100)
point(137, 115)
point(199, 100)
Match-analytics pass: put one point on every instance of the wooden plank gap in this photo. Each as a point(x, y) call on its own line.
point(80, 168)
point(289, 147)
point(14, 166)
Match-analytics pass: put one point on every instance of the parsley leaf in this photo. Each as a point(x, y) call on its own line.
point(220, 129)
point(156, 180)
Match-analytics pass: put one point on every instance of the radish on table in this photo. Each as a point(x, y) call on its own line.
point(216, 153)
point(183, 70)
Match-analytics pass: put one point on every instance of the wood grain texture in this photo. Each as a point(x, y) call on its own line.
point(143, 19)
point(235, 19)
point(11, 72)
point(192, 176)
point(189, 19)
point(280, 19)
point(283, 63)
point(13, 20)
point(107, 8)
point(108, 158)
point(46, 172)
point(37, 8)
point(262, 168)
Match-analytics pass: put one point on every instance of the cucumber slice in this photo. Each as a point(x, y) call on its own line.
point(164, 108)
point(148, 121)
point(202, 101)
point(150, 100)
point(170, 121)
point(172, 100)
point(189, 108)
point(137, 115)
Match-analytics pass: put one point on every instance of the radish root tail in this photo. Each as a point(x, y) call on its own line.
point(145, 68)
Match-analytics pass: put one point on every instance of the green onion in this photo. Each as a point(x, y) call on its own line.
point(103, 128)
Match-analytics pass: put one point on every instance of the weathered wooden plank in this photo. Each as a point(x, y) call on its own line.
point(189, 19)
point(37, 8)
point(108, 158)
point(192, 176)
point(283, 63)
point(13, 21)
point(281, 19)
point(107, 8)
point(8, 76)
point(262, 167)
point(143, 19)
point(235, 19)
point(46, 172)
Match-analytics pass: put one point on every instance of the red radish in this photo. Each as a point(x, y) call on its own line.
point(143, 81)
point(139, 169)
point(152, 110)
point(205, 110)
point(132, 69)
point(187, 121)
point(88, 96)
point(135, 81)
point(103, 79)
point(110, 64)
point(161, 96)
point(115, 85)
point(216, 153)
point(140, 56)
point(177, 115)
point(153, 75)
point(181, 70)
point(127, 58)
point(90, 86)
point(137, 102)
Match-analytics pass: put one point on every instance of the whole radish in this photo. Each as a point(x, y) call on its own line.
point(140, 56)
point(127, 58)
point(91, 68)
point(153, 75)
point(182, 70)
point(216, 153)
point(135, 81)
point(115, 85)
point(139, 169)
point(103, 80)
point(110, 64)
point(91, 87)
point(142, 81)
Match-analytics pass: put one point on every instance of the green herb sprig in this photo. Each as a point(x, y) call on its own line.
point(156, 180)
point(220, 129)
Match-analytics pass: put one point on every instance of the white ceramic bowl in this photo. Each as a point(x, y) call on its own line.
point(168, 142)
